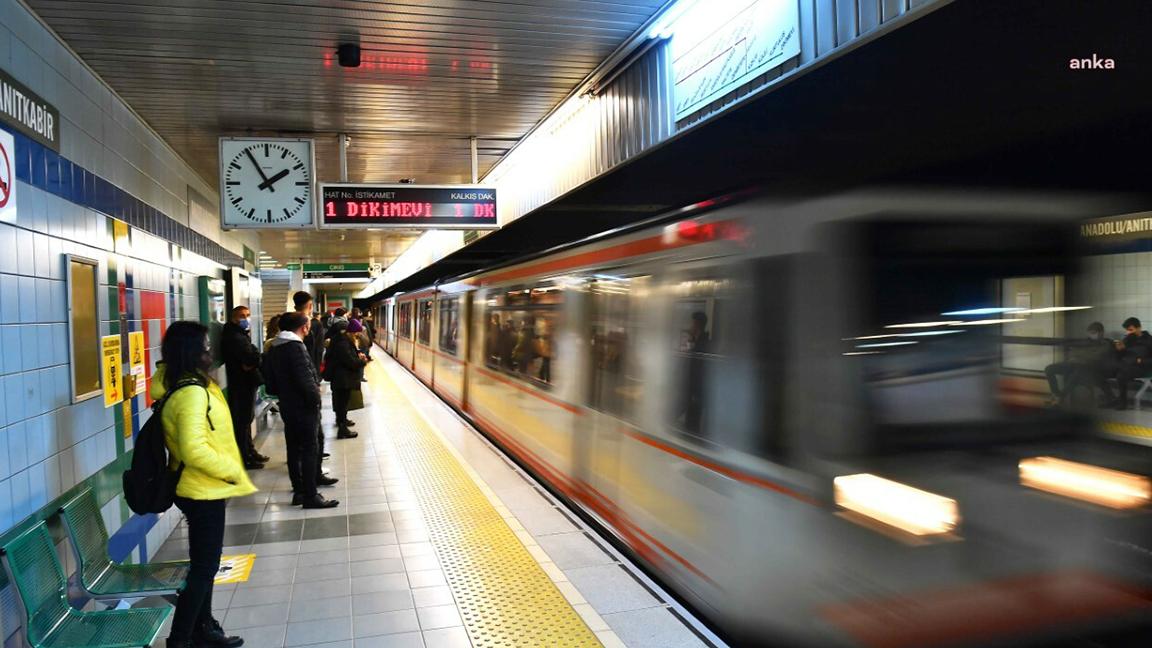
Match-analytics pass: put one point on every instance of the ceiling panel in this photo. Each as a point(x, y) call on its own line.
point(434, 73)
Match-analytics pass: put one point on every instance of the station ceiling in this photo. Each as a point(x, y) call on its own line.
point(434, 73)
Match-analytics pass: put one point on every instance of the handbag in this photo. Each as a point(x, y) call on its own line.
point(355, 400)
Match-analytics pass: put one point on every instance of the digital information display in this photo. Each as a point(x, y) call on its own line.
point(344, 206)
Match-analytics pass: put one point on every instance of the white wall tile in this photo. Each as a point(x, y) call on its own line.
point(29, 347)
point(25, 252)
point(6, 520)
point(21, 496)
point(5, 456)
point(10, 356)
point(27, 300)
point(43, 300)
point(8, 254)
point(9, 299)
point(14, 398)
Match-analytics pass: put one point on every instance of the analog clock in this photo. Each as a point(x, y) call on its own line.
point(266, 183)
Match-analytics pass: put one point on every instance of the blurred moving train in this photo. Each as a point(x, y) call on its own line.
point(802, 417)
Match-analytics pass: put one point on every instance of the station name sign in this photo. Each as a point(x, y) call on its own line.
point(25, 111)
point(1118, 228)
point(407, 206)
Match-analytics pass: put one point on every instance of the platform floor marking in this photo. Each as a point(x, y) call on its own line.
point(505, 597)
point(235, 569)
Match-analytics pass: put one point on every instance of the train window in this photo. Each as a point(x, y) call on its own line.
point(519, 335)
point(449, 324)
point(404, 320)
point(617, 325)
point(699, 313)
point(424, 322)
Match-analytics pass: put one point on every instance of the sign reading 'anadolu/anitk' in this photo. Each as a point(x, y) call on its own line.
point(406, 206)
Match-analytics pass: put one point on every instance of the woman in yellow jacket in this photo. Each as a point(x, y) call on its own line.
point(198, 432)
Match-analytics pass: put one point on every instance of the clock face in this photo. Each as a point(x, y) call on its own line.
point(266, 183)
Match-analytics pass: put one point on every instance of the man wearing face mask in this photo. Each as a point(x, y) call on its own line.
point(242, 364)
point(1084, 358)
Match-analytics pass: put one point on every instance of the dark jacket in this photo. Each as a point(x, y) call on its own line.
point(314, 343)
point(241, 358)
point(291, 375)
point(1137, 349)
point(345, 368)
point(1090, 352)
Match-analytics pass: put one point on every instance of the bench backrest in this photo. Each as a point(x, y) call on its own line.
point(35, 570)
point(88, 535)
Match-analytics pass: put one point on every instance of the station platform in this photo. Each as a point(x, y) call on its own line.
point(438, 542)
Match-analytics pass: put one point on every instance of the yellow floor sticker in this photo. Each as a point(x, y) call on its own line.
point(1127, 429)
point(504, 596)
point(235, 569)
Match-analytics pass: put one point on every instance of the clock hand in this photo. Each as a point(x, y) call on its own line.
point(268, 182)
point(258, 169)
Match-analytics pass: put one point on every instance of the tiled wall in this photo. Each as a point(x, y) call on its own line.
point(47, 443)
point(1117, 286)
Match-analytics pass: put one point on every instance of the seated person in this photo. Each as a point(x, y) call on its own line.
point(1132, 359)
point(1083, 358)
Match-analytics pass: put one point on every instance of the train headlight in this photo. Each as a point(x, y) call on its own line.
point(897, 505)
point(1103, 486)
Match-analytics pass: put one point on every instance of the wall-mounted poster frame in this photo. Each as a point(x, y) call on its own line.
point(83, 287)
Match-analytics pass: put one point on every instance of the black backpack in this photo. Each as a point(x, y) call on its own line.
point(149, 487)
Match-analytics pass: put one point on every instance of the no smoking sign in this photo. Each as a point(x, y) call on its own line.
point(7, 177)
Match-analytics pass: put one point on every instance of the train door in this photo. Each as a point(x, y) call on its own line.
point(618, 314)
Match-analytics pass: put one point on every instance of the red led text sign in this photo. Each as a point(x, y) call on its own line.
point(345, 206)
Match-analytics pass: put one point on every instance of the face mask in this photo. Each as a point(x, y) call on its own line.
point(1093, 336)
point(245, 324)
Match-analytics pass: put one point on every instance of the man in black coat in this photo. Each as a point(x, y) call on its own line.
point(242, 366)
point(1133, 360)
point(314, 342)
point(293, 378)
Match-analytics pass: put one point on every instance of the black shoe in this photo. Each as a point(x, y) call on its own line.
point(253, 465)
point(345, 433)
point(261, 458)
point(179, 643)
point(348, 423)
point(319, 502)
point(297, 499)
point(324, 480)
point(324, 455)
point(211, 635)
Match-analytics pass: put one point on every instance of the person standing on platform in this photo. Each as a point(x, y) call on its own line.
point(198, 433)
point(314, 343)
point(293, 378)
point(242, 366)
point(315, 340)
point(345, 370)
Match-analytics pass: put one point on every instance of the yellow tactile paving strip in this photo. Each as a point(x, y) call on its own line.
point(1127, 429)
point(504, 596)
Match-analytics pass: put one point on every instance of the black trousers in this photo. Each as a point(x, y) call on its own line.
point(302, 436)
point(205, 543)
point(1124, 373)
point(242, 407)
point(340, 398)
point(1074, 374)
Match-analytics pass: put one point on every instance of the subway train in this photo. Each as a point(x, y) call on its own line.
point(811, 419)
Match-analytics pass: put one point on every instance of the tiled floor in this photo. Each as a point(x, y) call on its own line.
point(366, 573)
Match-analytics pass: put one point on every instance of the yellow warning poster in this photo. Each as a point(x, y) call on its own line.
point(110, 365)
point(234, 569)
point(136, 361)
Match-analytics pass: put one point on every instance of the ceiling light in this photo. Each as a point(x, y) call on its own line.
point(923, 324)
point(897, 505)
point(1103, 486)
point(983, 311)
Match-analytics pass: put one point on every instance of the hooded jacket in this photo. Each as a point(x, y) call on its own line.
point(198, 432)
point(290, 373)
